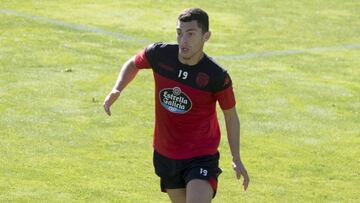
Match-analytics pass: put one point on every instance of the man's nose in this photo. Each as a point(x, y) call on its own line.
point(184, 39)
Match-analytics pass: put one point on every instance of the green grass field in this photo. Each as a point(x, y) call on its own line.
point(299, 110)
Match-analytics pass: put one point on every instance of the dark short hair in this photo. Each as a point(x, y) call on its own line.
point(197, 14)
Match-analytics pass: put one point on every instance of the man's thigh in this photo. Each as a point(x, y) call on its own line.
point(177, 195)
point(199, 191)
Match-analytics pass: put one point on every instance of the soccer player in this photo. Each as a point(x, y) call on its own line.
point(188, 84)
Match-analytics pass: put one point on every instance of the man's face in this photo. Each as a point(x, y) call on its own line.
point(190, 38)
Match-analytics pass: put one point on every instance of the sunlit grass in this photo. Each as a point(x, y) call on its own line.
point(299, 113)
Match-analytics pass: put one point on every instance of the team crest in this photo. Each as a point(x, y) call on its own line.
point(174, 100)
point(202, 79)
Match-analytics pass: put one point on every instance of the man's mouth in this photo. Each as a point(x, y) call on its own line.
point(183, 49)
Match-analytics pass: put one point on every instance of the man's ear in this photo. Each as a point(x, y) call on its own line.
point(207, 35)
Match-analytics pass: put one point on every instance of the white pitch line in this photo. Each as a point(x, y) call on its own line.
point(121, 36)
point(287, 52)
point(83, 28)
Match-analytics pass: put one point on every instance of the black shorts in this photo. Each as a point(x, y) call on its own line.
point(176, 173)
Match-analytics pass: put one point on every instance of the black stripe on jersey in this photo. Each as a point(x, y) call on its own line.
point(206, 75)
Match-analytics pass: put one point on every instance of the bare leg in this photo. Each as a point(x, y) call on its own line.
point(177, 195)
point(199, 191)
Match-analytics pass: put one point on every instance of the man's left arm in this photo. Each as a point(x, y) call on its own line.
point(233, 133)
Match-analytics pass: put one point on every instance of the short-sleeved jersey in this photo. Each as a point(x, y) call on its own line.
point(186, 123)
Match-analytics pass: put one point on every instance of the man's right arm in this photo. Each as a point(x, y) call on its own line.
point(126, 75)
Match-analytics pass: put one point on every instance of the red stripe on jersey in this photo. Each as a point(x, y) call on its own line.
point(226, 98)
point(185, 135)
point(141, 60)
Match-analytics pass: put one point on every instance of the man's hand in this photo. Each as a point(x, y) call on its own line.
point(241, 171)
point(110, 99)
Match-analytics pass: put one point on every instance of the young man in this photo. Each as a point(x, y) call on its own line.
point(187, 86)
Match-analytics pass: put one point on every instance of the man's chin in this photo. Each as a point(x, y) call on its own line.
point(185, 56)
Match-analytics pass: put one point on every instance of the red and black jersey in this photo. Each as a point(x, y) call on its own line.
point(186, 123)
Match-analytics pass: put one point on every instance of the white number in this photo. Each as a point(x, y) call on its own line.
point(182, 74)
point(203, 172)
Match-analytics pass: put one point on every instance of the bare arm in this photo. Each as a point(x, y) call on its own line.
point(233, 133)
point(126, 75)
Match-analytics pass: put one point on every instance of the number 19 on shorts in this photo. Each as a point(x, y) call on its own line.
point(203, 172)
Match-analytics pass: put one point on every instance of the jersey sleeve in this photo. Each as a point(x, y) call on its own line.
point(141, 61)
point(145, 57)
point(224, 92)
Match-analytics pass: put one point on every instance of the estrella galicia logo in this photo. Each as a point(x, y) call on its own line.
point(174, 100)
